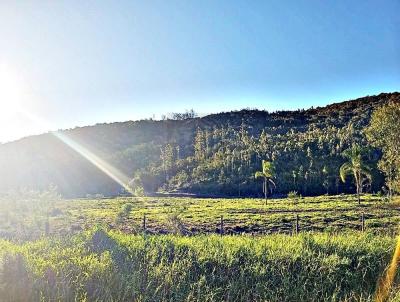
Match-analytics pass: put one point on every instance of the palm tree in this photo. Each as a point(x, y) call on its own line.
point(267, 173)
point(356, 167)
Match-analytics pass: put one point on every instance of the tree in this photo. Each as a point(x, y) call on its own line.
point(167, 159)
point(199, 145)
point(267, 174)
point(325, 173)
point(384, 132)
point(355, 166)
point(136, 186)
point(188, 114)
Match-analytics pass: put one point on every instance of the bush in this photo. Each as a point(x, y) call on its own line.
point(127, 208)
point(139, 191)
point(293, 195)
point(123, 212)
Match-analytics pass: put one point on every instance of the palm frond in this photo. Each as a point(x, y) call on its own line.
point(259, 174)
point(268, 168)
point(345, 170)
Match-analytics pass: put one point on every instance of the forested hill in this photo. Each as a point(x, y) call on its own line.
point(217, 154)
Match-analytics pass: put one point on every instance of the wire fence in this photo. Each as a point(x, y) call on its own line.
point(242, 223)
point(293, 224)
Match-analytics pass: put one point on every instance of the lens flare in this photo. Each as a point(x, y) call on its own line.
point(386, 282)
point(108, 169)
point(101, 164)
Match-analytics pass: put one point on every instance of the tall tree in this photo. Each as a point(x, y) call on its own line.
point(167, 159)
point(325, 173)
point(199, 145)
point(384, 132)
point(267, 173)
point(357, 167)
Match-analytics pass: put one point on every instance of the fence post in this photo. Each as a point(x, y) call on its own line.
point(362, 222)
point(297, 224)
point(221, 230)
point(266, 226)
point(144, 222)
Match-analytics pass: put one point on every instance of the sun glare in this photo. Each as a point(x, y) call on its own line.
point(11, 99)
point(10, 92)
point(11, 111)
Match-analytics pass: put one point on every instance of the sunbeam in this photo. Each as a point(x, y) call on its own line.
point(109, 170)
point(101, 164)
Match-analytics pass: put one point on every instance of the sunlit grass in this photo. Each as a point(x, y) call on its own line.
point(26, 218)
point(112, 266)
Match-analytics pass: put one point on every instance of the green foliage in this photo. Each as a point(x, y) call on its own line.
point(110, 266)
point(136, 186)
point(293, 195)
point(267, 173)
point(356, 166)
point(139, 191)
point(384, 133)
point(124, 212)
point(180, 180)
point(267, 170)
point(127, 208)
point(175, 220)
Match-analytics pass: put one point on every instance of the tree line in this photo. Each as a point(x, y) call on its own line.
point(321, 159)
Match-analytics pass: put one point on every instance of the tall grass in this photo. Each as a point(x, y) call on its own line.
point(111, 266)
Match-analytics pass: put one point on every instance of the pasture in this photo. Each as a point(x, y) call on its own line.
point(32, 216)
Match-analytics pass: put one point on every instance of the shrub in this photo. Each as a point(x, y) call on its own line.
point(127, 208)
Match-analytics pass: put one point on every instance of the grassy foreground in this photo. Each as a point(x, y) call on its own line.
point(102, 265)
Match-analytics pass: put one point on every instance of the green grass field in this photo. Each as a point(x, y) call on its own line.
point(27, 219)
point(112, 266)
point(96, 250)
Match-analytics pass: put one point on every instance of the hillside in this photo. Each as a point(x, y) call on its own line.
point(218, 153)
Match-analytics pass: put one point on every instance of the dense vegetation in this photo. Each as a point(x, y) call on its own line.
point(218, 154)
point(384, 133)
point(110, 266)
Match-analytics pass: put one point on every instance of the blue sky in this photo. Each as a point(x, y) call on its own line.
point(83, 62)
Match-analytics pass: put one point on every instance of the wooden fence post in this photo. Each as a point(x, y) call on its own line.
point(266, 226)
point(144, 222)
point(297, 224)
point(362, 222)
point(221, 230)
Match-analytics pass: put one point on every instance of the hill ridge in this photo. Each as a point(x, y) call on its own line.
point(200, 148)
